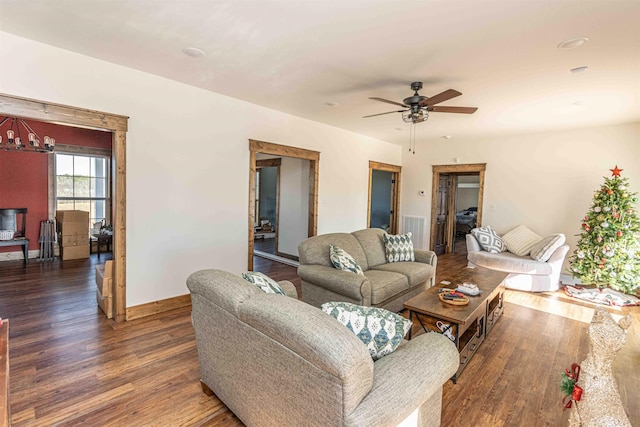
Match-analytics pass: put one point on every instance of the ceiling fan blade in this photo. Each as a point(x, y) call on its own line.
point(388, 102)
point(463, 110)
point(441, 97)
point(381, 114)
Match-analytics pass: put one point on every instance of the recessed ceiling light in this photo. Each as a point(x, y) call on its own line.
point(573, 43)
point(446, 137)
point(579, 69)
point(332, 104)
point(193, 52)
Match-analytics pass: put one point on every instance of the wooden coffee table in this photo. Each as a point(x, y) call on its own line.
point(468, 324)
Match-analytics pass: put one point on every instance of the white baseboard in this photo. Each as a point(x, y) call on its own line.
point(18, 255)
point(276, 258)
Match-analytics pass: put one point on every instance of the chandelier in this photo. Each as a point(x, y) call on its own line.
point(14, 141)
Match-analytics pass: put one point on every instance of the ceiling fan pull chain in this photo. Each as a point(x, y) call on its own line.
point(414, 138)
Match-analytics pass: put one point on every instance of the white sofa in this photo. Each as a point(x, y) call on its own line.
point(526, 274)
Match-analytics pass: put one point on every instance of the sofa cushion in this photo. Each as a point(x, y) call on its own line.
point(488, 239)
point(380, 330)
point(520, 240)
point(315, 250)
point(264, 282)
point(416, 272)
point(385, 284)
point(343, 261)
point(373, 245)
point(399, 247)
point(543, 250)
point(509, 263)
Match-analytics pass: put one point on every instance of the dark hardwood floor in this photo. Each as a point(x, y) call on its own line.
point(72, 366)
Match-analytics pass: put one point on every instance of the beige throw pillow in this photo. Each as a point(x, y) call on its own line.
point(543, 250)
point(520, 240)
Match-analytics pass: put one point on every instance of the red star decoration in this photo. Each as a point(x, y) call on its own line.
point(616, 171)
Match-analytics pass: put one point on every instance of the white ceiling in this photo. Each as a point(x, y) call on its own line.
point(295, 56)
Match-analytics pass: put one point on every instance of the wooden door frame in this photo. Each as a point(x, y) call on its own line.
point(44, 111)
point(255, 147)
point(456, 170)
point(395, 192)
point(266, 163)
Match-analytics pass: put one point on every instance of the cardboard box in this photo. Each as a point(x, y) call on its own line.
point(74, 252)
point(104, 278)
point(72, 216)
point(105, 304)
point(74, 240)
point(75, 227)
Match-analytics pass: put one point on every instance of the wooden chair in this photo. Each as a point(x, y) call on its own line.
point(9, 221)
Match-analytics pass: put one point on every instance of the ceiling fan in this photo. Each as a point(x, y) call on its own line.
point(416, 108)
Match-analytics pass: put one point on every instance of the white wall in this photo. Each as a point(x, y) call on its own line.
point(188, 161)
point(545, 181)
point(294, 204)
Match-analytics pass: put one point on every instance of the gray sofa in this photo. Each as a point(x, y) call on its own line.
point(277, 361)
point(385, 285)
point(525, 274)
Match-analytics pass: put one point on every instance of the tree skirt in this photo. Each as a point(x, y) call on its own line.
point(604, 296)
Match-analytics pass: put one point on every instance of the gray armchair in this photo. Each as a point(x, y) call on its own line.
point(277, 361)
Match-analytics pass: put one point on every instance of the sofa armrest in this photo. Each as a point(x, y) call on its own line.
point(344, 283)
point(289, 288)
point(406, 378)
point(426, 257)
point(472, 244)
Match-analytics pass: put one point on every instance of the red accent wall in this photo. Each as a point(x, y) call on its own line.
point(24, 176)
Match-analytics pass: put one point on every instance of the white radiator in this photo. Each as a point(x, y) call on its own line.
point(417, 225)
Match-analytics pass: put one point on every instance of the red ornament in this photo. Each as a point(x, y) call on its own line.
point(616, 171)
point(619, 233)
point(601, 266)
point(610, 192)
point(577, 393)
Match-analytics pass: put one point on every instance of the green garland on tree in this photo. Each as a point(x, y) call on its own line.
point(608, 252)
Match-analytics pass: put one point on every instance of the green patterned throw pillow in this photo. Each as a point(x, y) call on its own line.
point(264, 282)
point(380, 330)
point(343, 261)
point(398, 247)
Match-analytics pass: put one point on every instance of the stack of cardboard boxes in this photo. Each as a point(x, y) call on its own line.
point(73, 234)
point(104, 280)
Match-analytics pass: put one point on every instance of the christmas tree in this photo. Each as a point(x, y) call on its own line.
point(608, 252)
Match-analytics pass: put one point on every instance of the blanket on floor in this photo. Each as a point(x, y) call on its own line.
point(604, 296)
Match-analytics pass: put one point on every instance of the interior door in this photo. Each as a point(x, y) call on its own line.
point(384, 196)
point(381, 203)
point(442, 210)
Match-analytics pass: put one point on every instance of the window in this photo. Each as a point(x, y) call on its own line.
point(82, 183)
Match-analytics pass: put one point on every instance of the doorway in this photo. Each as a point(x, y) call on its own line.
point(117, 125)
point(384, 196)
point(454, 210)
point(295, 155)
point(267, 205)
